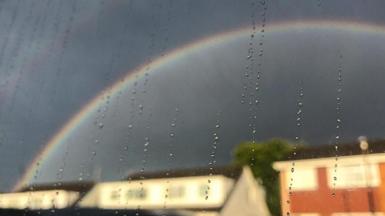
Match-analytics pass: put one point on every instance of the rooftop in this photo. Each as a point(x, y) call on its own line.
point(330, 150)
point(229, 171)
point(79, 186)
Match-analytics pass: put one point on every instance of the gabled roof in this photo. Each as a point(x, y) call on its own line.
point(330, 150)
point(229, 171)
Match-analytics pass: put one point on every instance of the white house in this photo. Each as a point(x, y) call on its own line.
point(224, 191)
point(216, 191)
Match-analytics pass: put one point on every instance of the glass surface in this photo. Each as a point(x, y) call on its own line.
point(192, 107)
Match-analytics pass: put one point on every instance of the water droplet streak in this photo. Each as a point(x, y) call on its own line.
point(339, 121)
point(171, 155)
point(299, 123)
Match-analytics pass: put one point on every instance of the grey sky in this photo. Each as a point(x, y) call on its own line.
point(57, 55)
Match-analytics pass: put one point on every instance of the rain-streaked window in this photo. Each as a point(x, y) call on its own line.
point(192, 107)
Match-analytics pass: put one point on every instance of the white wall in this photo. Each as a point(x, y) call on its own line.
point(39, 199)
point(184, 192)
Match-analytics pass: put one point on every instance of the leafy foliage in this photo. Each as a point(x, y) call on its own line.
point(259, 156)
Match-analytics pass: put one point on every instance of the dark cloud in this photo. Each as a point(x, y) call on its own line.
point(57, 55)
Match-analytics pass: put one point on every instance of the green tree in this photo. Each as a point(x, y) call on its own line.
point(259, 156)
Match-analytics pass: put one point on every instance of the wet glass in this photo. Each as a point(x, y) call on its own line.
point(138, 107)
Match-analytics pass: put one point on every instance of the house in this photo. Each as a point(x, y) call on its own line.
point(45, 196)
point(224, 191)
point(212, 191)
point(348, 179)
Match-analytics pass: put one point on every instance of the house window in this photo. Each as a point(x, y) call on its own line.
point(176, 192)
point(137, 193)
point(115, 195)
point(204, 190)
point(352, 176)
point(303, 179)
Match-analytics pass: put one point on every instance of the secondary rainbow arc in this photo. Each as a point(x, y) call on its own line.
point(173, 56)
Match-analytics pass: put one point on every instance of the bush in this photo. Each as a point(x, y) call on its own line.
point(259, 156)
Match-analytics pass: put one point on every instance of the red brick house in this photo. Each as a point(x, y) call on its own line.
point(314, 183)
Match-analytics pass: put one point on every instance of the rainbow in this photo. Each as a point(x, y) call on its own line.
point(173, 56)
